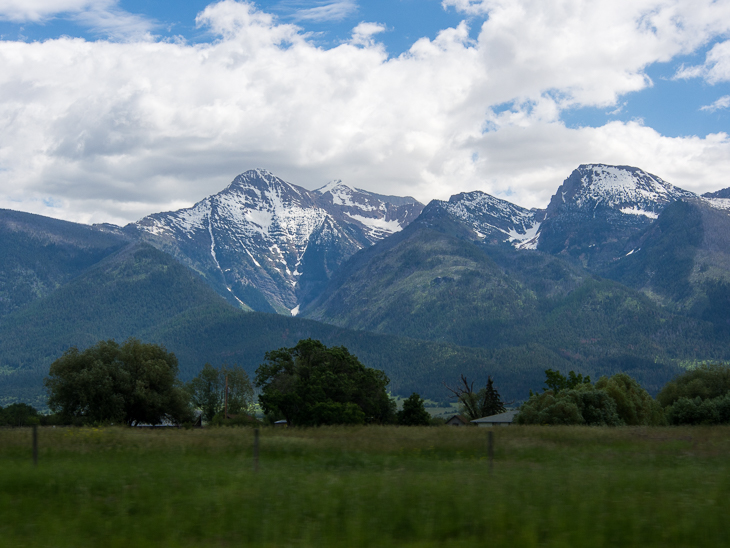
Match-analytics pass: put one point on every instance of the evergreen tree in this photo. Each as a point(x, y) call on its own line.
point(482, 403)
point(414, 412)
point(491, 401)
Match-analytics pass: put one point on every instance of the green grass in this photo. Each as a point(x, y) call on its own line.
point(369, 486)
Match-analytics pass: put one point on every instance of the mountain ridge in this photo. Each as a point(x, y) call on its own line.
point(273, 237)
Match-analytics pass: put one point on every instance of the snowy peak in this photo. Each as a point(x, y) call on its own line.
point(493, 219)
point(377, 215)
point(264, 242)
point(719, 199)
point(598, 212)
point(340, 194)
point(258, 185)
point(629, 190)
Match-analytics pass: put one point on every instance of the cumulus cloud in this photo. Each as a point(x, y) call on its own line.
point(363, 34)
point(111, 131)
point(716, 67)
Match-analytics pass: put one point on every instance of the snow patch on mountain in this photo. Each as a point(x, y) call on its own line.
point(528, 240)
point(636, 211)
point(490, 217)
point(378, 224)
point(630, 190)
point(719, 203)
point(256, 232)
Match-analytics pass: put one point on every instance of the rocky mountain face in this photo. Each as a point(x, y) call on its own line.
point(491, 219)
point(598, 211)
point(479, 271)
point(268, 245)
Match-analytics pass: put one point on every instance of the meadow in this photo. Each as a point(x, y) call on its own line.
point(366, 486)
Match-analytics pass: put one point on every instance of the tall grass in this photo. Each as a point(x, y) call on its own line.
point(369, 486)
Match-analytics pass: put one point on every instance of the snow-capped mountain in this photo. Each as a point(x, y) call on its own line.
point(599, 208)
point(719, 199)
point(268, 244)
point(492, 219)
point(628, 190)
point(378, 215)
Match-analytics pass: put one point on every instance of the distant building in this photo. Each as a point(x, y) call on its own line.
point(501, 419)
point(458, 420)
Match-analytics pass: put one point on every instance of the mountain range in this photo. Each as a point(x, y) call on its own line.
point(269, 245)
point(621, 271)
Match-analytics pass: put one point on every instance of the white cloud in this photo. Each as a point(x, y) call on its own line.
point(101, 16)
point(362, 35)
point(39, 10)
point(716, 67)
point(722, 102)
point(329, 11)
point(107, 131)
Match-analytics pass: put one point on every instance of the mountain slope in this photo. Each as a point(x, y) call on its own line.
point(492, 220)
point(683, 260)
point(268, 245)
point(142, 292)
point(39, 254)
point(438, 280)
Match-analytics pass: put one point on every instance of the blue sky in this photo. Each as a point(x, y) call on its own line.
point(116, 109)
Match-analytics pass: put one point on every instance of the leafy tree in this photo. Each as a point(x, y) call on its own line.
point(310, 384)
point(613, 401)
point(475, 405)
point(207, 391)
point(698, 411)
point(633, 404)
point(18, 414)
point(240, 389)
point(581, 405)
point(708, 381)
point(413, 413)
point(556, 382)
point(698, 396)
point(131, 383)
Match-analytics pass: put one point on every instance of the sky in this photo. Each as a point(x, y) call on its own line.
point(114, 109)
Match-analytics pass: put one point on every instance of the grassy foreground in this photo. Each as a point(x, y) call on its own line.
point(369, 486)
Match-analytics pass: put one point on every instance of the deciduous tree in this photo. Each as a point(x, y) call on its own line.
point(207, 390)
point(310, 384)
point(482, 403)
point(131, 383)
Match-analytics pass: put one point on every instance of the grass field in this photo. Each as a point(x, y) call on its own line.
point(366, 486)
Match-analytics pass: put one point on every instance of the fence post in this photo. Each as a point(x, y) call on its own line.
point(490, 450)
point(35, 445)
point(255, 449)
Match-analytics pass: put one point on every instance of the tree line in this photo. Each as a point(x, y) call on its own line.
point(697, 396)
point(134, 383)
point(311, 384)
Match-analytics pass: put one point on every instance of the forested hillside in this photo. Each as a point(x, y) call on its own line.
point(39, 254)
point(142, 292)
point(437, 281)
